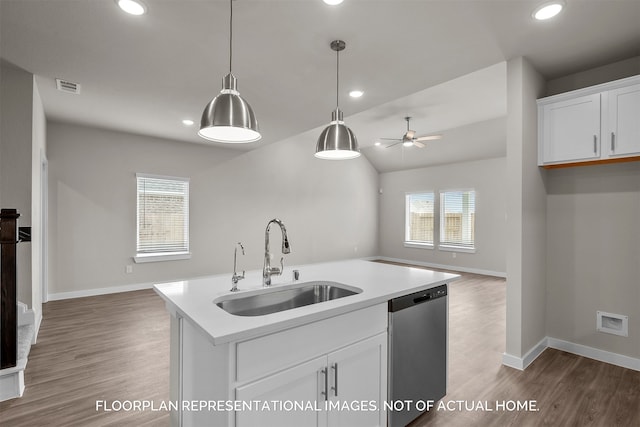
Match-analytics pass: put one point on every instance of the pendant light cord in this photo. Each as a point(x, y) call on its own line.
point(337, 77)
point(230, 33)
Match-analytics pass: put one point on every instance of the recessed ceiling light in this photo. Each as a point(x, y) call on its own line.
point(187, 122)
point(132, 7)
point(356, 93)
point(377, 143)
point(548, 10)
point(332, 2)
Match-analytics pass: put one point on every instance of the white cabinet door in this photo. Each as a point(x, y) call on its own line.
point(624, 121)
point(572, 130)
point(358, 384)
point(356, 380)
point(302, 383)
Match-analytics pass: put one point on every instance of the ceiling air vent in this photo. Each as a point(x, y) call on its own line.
point(67, 86)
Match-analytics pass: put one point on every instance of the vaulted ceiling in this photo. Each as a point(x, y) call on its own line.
point(432, 60)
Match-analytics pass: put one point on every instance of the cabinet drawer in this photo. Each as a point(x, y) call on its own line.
point(264, 355)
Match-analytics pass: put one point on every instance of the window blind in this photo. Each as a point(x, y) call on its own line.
point(163, 214)
point(420, 218)
point(457, 218)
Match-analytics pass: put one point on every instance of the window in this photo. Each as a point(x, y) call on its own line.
point(163, 218)
point(420, 219)
point(457, 219)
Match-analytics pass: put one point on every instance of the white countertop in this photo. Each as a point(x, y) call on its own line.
point(193, 298)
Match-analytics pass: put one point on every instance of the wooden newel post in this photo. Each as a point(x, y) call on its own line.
point(8, 297)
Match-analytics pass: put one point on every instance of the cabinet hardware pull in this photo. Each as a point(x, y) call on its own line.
point(324, 392)
point(613, 141)
point(335, 379)
point(595, 144)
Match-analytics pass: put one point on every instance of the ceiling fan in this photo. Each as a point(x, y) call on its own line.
point(410, 138)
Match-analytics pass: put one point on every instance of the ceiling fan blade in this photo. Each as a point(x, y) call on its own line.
point(394, 144)
point(418, 143)
point(428, 138)
point(410, 134)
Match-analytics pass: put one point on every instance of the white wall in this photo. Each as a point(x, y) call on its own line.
point(593, 254)
point(16, 105)
point(487, 177)
point(526, 213)
point(329, 207)
point(606, 73)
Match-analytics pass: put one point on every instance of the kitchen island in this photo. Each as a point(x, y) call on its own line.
point(320, 364)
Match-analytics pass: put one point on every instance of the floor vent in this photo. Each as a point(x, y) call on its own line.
point(67, 86)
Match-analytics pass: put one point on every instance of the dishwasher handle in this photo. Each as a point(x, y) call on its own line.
point(423, 298)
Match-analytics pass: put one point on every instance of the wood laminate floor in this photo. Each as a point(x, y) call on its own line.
point(109, 347)
point(116, 347)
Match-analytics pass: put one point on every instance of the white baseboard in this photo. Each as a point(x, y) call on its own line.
point(443, 266)
point(577, 349)
point(99, 291)
point(595, 353)
point(37, 326)
point(11, 383)
point(522, 363)
point(26, 316)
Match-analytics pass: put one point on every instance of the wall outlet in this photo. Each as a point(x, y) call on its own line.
point(453, 255)
point(128, 269)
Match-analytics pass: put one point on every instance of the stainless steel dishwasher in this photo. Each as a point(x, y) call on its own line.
point(417, 352)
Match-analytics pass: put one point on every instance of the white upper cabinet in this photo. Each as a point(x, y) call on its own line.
point(595, 124)
point(624, 122)
point(572, 130)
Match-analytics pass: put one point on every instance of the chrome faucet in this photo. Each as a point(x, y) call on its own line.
point(267, 270)
point(236, 277)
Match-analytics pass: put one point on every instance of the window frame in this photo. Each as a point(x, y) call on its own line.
point(419, 244)
point(144, 257)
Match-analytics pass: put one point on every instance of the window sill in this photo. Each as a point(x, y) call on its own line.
point(418, 245)
point(169, 256)
point(462, 249)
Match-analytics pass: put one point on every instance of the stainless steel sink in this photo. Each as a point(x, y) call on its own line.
point(276, 300)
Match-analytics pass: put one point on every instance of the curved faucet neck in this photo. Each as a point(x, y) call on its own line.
point(267, 270)
point(285, 240)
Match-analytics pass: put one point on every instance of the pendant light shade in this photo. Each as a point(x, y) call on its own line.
point(228, 117)
point(337, 141)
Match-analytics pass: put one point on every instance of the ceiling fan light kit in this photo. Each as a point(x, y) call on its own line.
point(228, 117)
point(337, 141)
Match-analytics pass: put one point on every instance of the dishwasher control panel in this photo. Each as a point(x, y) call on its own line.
point(417, 298)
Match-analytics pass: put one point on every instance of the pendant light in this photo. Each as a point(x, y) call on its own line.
point(337, 142)
point(228, 117)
